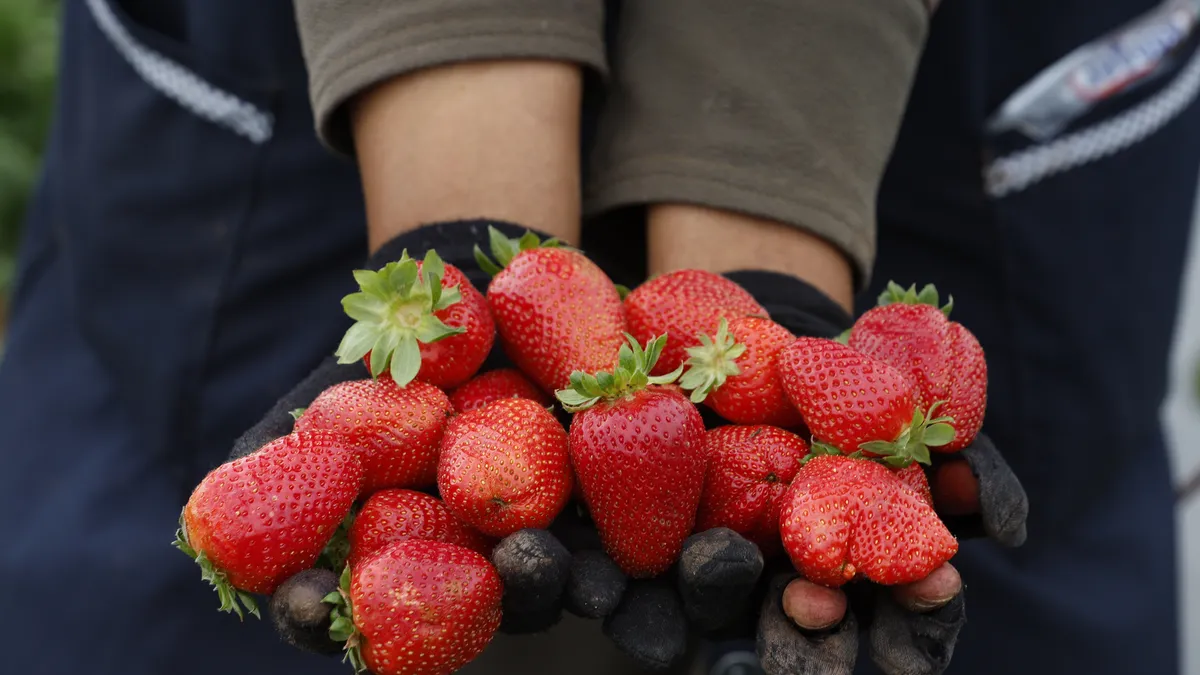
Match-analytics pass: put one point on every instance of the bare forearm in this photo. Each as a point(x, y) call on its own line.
point(682, 236)
point(490, 139)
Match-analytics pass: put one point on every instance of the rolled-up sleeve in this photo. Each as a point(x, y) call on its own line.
point(779, 109)
point(350, 45)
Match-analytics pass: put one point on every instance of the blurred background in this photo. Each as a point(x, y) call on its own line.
point(28, 43)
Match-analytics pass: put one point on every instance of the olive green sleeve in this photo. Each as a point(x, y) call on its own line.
point(350, 45)
point(779, 109)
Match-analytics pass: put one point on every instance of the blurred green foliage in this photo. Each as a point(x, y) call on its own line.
point(28, 50)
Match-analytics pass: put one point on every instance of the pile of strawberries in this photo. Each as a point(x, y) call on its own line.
point(818, 456)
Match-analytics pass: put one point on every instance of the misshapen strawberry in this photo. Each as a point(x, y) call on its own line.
point(734, 372)
point(255, 521)
point(556, 311)
point(845, 517)
point(495, 385)
point(638, 453)
point(419, 320)
point(684, 305)
point(396, 430)
point(390, 516)
point(943, 359)
point(417, 607)
point(856, 403)
point(749, 470)
point(504, 467)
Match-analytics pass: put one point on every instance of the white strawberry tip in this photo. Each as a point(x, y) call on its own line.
point(631, 375)
point(341, 625)
point(505, 249)
point(711, 363)
point(394, 314)
point(233, 600)
point(928, 295)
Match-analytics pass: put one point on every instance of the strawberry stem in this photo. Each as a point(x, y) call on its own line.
point(341, 626)
point(914, 442)
point(632, 374)
point(232, 599)
point(394, 313)
point(711, 363)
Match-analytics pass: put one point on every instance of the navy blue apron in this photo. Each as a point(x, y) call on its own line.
point(1065, 257)
point(171, 287)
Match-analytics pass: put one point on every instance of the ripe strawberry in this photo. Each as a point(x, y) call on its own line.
point(395, 430)
point(638, 452)
point(749, 470)
point(914, 477)
point(843, 517)
point(418, 320)
point(684, 305)
point(504, 467)
point(556, 311)
point(493, 386)
point(854, 402)
point(255, 521)
point(734, 372)
point(390, 516)
point(943, 358)
point(417, 607)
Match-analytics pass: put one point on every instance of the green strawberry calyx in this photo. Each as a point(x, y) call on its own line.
point(913, 444)
point(711, 363)
point(232, 599)
point(341, 625)
point(631, 375)
point(504, 249)
point(897, 294)
point(394, 313)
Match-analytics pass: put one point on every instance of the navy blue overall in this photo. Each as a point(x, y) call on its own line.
point(188, 245)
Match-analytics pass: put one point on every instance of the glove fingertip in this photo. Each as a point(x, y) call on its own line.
point(649, 625)
point(299, 614)
point(595, 586)
point(785, 649)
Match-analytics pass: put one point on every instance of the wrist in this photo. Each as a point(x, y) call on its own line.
point(794, 303)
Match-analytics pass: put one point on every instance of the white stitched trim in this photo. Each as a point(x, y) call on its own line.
point(1024, 168)
point(182, 85)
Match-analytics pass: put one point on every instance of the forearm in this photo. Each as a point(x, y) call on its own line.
point(491, 139)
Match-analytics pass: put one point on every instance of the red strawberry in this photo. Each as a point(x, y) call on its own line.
point(418, 320)
point(255, 521)
point(914, 477)
point(396, 430)
point(749, 470)
point(844, 517)
point(942, 357)
point(556, 311)
point(418, 607)
point(734, 372)
point(504, 467)
point(684, 305)
point(638, 453)
point(390, 516)
point(854, 402)
point(493, 386)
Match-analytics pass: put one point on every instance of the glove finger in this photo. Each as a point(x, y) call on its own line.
point(1002, 503)
point(649, 624)
point(279, 421)
point(595, 586)
point(932, 592)
point(535, 567)
point(718, 571)
point(300, 616)
point(785, 649)
point(907, 643)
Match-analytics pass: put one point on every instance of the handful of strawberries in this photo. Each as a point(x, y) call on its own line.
point(818, 454)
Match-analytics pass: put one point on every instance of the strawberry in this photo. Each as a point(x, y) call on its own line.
point(845, 517)
point(556, 311)
point(390, 516)
point(734, 372)
point(684, 305)
point(493, 386)
point(257, 520)
point(944, 360)
point(749, 470)
point(418, 320)
point(638, 452)
point(504, 467)
point(854, 402)
point(417, 607)
point(914, 477)
point(395, 429)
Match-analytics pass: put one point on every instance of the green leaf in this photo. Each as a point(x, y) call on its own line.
point(920, 453)
point(356, 343)
point(879, 447)
point(605, 381)
point(370, 282)
point(928, 296)
point(297, 413)
point(573, 401)
point(625, 360)
point(623, 291)
point(843, 337)
point(485, 263)
point(896, 462)
point(668, 378)
point(824, 449)
point(406, 360)
point(503, 248)
point(431, 329)
point(528, 241)
point(938, 434)
point(433, 265)
point(364, 307)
